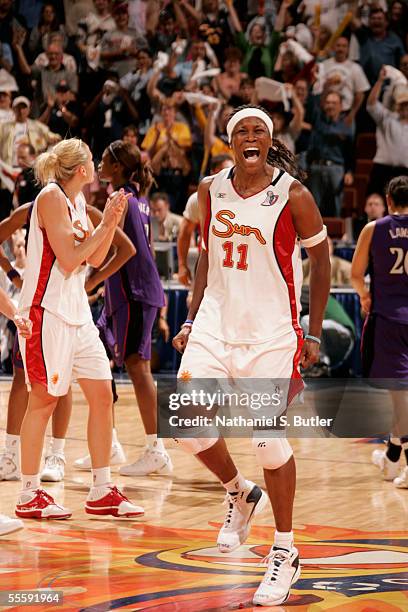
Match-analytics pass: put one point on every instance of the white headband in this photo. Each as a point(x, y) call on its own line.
point(249, 112)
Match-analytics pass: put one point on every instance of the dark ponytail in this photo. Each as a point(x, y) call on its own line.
point(133, 168)
point(278, 155)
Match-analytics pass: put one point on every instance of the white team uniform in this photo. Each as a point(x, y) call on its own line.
point(247, 325)
point(65, 343)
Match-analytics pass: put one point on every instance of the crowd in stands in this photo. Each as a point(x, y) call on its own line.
point(166, 74)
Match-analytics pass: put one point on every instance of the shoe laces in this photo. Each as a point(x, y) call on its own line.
point(231, 500)
point(275, 560)
point(54, 460)
point(114, 489)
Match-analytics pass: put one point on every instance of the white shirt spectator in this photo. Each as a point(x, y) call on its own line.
point(349, 79)
point(191, 212)
point(391, 135)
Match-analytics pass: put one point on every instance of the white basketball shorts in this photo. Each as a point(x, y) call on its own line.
point(58, 353)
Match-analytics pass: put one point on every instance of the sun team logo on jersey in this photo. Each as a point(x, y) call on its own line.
point(81, 234)
point(224, 217)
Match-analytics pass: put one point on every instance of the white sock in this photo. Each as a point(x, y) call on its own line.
point(114, 437)
point(154, 443)
point(283, 539)
point(12, 443)
point(101, 477)
point(30, 482)
point(238, 483)
point(57, 445)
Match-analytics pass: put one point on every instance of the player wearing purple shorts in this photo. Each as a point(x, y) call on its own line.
point(383, 248)
point(133, 297)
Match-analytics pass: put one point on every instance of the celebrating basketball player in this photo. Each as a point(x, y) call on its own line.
point(65, 343)
point(133, 297)
point(383, 247)
point(244, 319)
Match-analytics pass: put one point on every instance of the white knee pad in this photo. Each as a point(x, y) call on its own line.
point(272, 453)
point(195, 445)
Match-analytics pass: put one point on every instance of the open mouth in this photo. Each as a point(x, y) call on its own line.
point(251, 153)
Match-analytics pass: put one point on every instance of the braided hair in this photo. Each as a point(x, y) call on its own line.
point(278, 154)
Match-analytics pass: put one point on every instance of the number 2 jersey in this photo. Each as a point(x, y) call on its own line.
point(389, 268)
point(255, 270)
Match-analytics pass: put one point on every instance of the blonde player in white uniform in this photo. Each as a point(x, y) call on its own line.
point(65, 343)
point(244, 319)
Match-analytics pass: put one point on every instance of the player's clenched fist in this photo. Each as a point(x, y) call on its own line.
point(180, 341)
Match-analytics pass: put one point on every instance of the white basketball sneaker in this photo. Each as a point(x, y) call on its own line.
point(9, 466)
point(151, 462)
point(8, 525)
point(401, 481)
point(117, 457)
point(283, 570)
point(54, 468)
point(242, 507)
point(389, 469)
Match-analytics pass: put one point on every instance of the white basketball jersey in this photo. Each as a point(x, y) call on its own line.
point(46, 284)
point(255, 269)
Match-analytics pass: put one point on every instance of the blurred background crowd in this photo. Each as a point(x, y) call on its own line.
point(166, 74)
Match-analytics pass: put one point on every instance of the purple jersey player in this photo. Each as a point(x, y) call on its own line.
point(133, 297)
point(383, 248)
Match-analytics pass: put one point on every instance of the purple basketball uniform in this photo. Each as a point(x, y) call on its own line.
point(134, 294)
point(385, 334)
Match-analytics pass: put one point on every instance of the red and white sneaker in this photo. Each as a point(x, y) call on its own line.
point(41, 506)
point(111, 502)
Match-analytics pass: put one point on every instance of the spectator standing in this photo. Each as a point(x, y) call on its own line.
point(391, 158)
point(61, 113)
point(330, 156)
point(119, 46)
point(347, 77)
point(136, 84)
point(378, 46)
point(90, 32)
point(228, 83)
point(48, 23)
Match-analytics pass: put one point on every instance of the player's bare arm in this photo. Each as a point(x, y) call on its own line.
point(52, 205)
point(15, 221)
point(124, 250)
point(359, 266)
point(200, 282)
point(308, 222)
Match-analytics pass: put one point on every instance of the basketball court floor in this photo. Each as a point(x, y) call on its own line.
point(351, 529)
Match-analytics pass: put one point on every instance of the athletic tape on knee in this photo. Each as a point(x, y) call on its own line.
point(316, 239)
point(272, 453)
point(195, 445)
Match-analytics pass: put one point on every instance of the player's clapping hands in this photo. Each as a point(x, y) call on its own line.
point(114, 208)
point(24, 326)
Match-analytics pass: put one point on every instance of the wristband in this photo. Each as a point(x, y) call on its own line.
point(188, 323)
point(13, 274)
point(313, 338)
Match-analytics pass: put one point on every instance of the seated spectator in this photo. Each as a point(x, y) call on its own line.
point(165, 224)
point(378, 46)
point(6, 112)
point(61, 113)
point(26, 186)
point(392, 136)
point(119, 46)
point(108, 114)
point(330, 156)
point(90, 32)
point(347, 77)
point(168, 128)
point(374, 209)
point(47, 24)
point(340, 269)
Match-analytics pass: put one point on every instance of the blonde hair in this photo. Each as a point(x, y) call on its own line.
point(61, 161)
